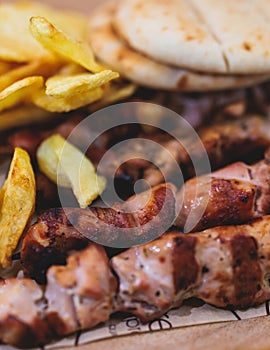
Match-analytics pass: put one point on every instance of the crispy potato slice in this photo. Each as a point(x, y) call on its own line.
point(60, 43)
point(67, 166)
point(37, 67)
point(22, 116)
point(20, 91)
point(65, 104)
point(66, 86)
point(17, 204)
point(17, 43)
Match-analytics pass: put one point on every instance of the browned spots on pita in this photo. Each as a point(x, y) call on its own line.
point(164, 28)
point(192, 33)
point(247, 46)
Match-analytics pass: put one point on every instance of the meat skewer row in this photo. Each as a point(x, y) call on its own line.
point(233, 195)
point(224, 266)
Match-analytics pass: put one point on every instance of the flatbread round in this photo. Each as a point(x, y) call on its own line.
point(216, 36)
point(112, 51)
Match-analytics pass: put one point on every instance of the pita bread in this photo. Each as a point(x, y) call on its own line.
point(112, 51)
point(231, 37)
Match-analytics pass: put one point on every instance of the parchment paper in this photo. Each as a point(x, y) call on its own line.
point(191, 313)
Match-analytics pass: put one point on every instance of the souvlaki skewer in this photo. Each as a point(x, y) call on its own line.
point(226, 266)
point(235, 194)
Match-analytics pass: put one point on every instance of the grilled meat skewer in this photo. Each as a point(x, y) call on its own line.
point(142, 218)
point(226, 266)
point(232, 195)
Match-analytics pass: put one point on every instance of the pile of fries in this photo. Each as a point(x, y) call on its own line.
point(47, 66)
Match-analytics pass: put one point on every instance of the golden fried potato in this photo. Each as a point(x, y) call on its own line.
point(67, 86)
point(16, 42)
point(20, 91)
point(63, 104)
point(17, 204)
point(63, 45)
point(46, 63)
point(67, 166)
point(37, 67)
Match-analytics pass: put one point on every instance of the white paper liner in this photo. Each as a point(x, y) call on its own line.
point(186, 315)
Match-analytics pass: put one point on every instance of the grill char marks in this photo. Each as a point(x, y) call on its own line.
point(184, 255)
point(140, 219)
point(247, 273)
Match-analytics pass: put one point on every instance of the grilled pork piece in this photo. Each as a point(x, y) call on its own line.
point(232, 195)
point(80, 294)
point(225, 266)
point(22, 321)
point(140, 219)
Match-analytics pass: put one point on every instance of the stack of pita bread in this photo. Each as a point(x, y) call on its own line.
point(185, 45)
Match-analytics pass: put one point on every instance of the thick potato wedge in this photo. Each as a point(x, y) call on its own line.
point(67, 166)
point(17, 43)
point(17, 204)
point(20, 91)
point(67, 86)
point(60, 43)
point(63, 104)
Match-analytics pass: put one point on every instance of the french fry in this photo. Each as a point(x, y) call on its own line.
point(65, 104)
point(20, 91)
point(58, 42)
point(67, 86)
point(67, 166)
point(17, 204)
point(17, 43)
